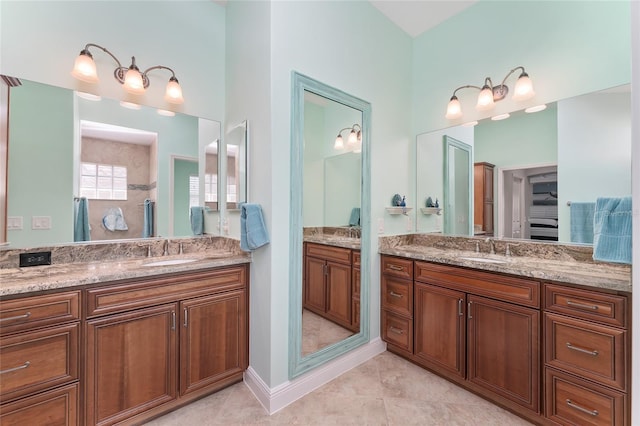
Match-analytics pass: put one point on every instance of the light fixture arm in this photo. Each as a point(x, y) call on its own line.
point(511, 72)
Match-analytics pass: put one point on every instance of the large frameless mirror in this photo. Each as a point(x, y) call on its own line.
point(329, 276)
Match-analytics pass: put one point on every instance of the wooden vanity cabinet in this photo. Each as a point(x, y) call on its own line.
point(156, 344)
point(587, 356)
point(40, 359)
point(328, 284)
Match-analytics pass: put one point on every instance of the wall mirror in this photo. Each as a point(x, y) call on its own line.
point(573, 151)
point(47, 126)
point(236, 144)
point(329, 186)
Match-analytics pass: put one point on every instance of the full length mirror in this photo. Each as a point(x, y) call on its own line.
point(132, 168)
point(329, 279)
point(533, 171)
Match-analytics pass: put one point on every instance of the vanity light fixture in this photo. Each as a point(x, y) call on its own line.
point(131, 78)
point(470, 124)
point(489, 94)
point(354, 139)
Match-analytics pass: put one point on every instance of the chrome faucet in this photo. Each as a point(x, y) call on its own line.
point(166, 248)
point(492, 245)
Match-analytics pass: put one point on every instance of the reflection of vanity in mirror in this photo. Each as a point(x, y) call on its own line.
point(329, 280)
point(575, 150)
point(64, 146)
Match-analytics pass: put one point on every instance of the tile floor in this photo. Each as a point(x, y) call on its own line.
point(385, 390)
point(318, 332)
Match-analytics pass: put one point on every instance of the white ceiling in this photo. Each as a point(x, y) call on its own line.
point(417, 16)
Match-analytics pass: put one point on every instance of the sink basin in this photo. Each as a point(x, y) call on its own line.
point(483, 259)
point(169, 262)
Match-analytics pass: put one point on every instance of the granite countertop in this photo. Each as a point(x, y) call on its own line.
point(567, 265)
point(94, 269)
point(333, 236)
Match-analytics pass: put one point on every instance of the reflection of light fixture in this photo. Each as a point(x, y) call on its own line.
point(500, 117)
point(353, 141)
point(489, 94)
point(129, 105)
point(131, 78)
point(535, 108)
point(166, 113)
point(89, 96)
point(470, 124)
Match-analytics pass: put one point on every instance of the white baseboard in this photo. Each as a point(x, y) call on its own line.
point(282, 395)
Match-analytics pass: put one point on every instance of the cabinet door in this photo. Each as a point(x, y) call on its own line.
point(488, 184)
point(55, 407)
point(503, 349)
point(131, 363)
point(355, 305)
point(339, 293)
point(212, 339)
point(440, 327)
point(314, 282)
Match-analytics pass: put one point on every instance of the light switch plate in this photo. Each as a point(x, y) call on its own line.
point(14, 223)
point(40, 222)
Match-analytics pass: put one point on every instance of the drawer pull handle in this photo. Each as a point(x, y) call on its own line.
point(584, 351)
point(395, 267)
point(469, 316)
point(579, 408)
point(582, 306)
point(186, 316)
point(173, 320)
point(460, 313)
point(396, 330)
point(24, 316)
point(20, 367)
point(394, 294)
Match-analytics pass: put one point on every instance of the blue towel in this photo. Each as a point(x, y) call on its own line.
point(354, 220)
point(612, 222)
point(197, 220)
point(582, 222)
point(147, 226)
point(253, 232)
point(81, 230)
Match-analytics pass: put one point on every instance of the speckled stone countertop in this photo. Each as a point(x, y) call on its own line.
point(92, 263)
point(543, 261)
point(344, 237)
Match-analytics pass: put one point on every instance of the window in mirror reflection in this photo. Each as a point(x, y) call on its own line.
point(211, 176)
point(117, 173)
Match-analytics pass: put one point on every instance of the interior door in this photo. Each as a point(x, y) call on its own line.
point(517, 207)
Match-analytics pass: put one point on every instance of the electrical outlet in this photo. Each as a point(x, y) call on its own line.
point(380, 225)
point(35, 259)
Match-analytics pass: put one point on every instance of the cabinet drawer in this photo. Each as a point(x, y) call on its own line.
point(572, 401)
point(397, 330)
point(337, 254)
point(505, 288)
point(397, 295)
point(126, 296)
point(38, 311)
point(37, 360)
point(56, 407)
point(590, 350)
point(590, 305)
point(402, 268)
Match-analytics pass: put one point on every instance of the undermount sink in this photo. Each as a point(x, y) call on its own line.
point(483, 259)
point(170, 262)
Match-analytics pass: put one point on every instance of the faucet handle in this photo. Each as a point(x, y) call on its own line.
point(180, 250)
point(477, 247)
point(149, 250)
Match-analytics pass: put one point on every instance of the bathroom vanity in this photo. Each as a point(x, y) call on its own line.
point(120, 341)
point(548, 339)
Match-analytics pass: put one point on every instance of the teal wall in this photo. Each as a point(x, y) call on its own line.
point(523, 139)
point(40, 175)
point(568, 48)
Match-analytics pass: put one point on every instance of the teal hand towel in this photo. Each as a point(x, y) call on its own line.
point(582, 222)
point(197, 220)
point(253, 232)
point(354, 220)
point(612, 223)
point(81, 230)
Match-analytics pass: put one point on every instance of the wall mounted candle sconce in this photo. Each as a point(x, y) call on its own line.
point(354, 140)
point(489, 94)
point(131, 78)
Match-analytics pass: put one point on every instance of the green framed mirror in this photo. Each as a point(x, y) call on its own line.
point(337, 107)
